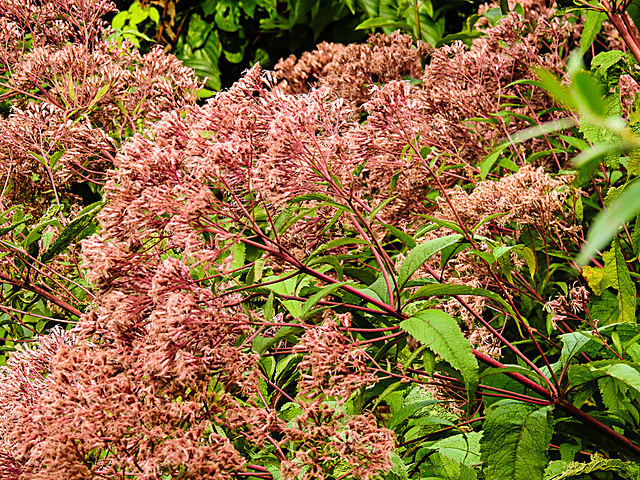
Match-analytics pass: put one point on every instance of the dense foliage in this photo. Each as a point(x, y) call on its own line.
point(367, 263)
point(221, 38)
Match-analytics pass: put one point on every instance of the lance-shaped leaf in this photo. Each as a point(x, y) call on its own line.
point(442, 335)
point(72, 231)
point(416, 257)
point(516, 439)
point(437, 289)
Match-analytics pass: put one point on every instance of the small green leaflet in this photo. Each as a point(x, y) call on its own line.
point(441, 334)
point(516, 440)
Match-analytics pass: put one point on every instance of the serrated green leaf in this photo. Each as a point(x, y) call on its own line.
point(442, 335)
point(624, 470)
point(516, 440)
point(420, 254)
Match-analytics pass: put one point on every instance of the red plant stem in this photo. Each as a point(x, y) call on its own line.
point(325, 278)
point(497, 334)
point(568, 407)
point(617, 20)
point(42, 292)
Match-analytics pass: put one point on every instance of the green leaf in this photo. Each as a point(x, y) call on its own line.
point(623, 470)
point(615, 274)
point(405, 412)
point(314, 299)
point(404, 238)
point(380, 22)
point(442, 335)
point(71, 232)
point(572, 344)
point(101, 93)
point(607, 223)
point(420, 254)
point(552, 85)
point(591, 28)
point(437, 289)
point(463, 448)
point(516, 440)
point(238, 256)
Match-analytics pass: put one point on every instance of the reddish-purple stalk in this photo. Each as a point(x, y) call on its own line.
point(500, 285)
point(571, 409)
point(552, 394)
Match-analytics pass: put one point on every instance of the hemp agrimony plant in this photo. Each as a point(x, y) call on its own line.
point(307, 279)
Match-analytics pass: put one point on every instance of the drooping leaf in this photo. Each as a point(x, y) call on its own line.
point(441, 334)
point(608, 222)
point(72, 231)
point(572, 344)
point(516, 440)
point(436, 289)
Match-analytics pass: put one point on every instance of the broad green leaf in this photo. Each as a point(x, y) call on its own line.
point(615, 274)
point(617, 398)
point(463, 448)
point(442, 335)
point(442, 467)
point(239, 250)
point(420, 254)
point(572, 344)
point(608, 222)
point(633, 166)
point(516, 440)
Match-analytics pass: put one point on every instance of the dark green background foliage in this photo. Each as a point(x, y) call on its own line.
point(221, 38)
